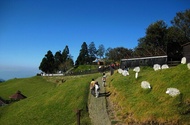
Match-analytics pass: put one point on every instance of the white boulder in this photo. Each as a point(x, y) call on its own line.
point(156, 67)
point(125, 73)
point(188, 65)
point(172, 92)
point(183, 60)
point(165, 66)
point(136, 69)
point(120, 71)
point(145, 85)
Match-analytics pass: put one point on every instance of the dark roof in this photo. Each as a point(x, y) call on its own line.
point(186, 44)
point(141, 58)
point(17, 96)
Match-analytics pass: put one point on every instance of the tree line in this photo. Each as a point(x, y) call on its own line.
point(62, 61)
point(159, 39)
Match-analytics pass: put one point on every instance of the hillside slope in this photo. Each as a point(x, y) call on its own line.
point(28, 86)
point(48, 102)
point(130, 104)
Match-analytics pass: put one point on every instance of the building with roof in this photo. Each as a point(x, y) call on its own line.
point(186, 51)
point(17, 96)
point(143, 61)
point(98, 61)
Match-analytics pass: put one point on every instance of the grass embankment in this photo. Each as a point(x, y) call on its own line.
point(132, 104)
point(85, 68)
point(49, 101)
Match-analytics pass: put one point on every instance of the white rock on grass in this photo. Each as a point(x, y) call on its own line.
point(120, 71)
point(165, 66)
point(188, 65)
point(156, 67)
point(183, 60)
point(125, 73)
point(145, 85)
point(136, 69)
point(172, 92)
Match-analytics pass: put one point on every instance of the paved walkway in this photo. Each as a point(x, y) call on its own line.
point(97, 107)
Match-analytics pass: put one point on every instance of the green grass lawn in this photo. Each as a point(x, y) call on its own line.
point(48, 102)
point(85, 68)
point(134, 104)
point(51, 102)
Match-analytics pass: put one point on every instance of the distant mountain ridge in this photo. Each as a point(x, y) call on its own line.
point(2, 80)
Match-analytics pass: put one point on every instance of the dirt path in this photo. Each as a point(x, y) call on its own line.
point(97, 107)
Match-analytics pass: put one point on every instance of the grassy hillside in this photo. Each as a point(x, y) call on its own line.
point(85, 68)
point(49, 101)
point(132, 104)
point(28, 86)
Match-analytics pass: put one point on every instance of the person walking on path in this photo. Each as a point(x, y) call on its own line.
point(92, 87)
point(98, 107)
point(104, 80)
point(97, 88)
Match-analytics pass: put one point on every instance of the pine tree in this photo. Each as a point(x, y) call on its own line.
point(92, 52)
point(65, 53)
point(58, 60)
point(83, 57)
point(47, 64)
point(101, 51)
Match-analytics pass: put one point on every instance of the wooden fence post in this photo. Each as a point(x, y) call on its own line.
point(78, 113)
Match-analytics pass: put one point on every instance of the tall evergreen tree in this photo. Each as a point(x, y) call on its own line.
point(83, 57)
point(67, 61)
point(47, 64)
point(44, 65)
point(92, 52)
point(175, 39)
point(65, 53)
point(154, 42)
point(101, 51)
point(182, 21)
point(70, 60)
point(107, 53)
point(155, 35)
point(58, 60)
point(116, 54)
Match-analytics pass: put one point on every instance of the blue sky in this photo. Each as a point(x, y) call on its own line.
point(29, 28)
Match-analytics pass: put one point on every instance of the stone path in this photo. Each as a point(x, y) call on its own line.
point(98, 108)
